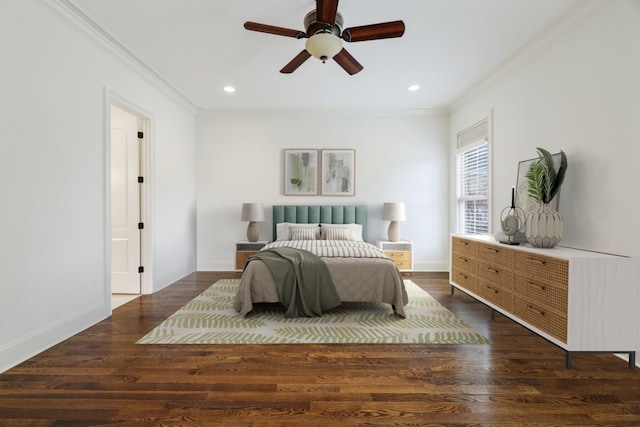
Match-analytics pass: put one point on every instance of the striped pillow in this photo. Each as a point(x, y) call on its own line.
point(337, 233)
point(302, 233)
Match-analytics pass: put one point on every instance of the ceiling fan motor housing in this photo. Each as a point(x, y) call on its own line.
point(313, 26)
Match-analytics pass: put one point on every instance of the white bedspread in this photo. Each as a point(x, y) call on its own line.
point(360, 271)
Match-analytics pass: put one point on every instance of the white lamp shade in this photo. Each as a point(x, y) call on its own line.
point(252, 212)
point(323, 45)
point(394, 211)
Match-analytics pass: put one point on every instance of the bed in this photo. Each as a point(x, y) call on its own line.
point(360, 271)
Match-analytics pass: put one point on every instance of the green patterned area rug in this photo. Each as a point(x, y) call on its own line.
point(211, 319)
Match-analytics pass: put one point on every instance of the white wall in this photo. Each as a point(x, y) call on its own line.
point(581, 95)
point(400, 156)
point(53, 80)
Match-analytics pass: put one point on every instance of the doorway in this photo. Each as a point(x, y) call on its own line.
point(127, 165)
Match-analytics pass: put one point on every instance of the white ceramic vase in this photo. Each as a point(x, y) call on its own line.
point(544, 226)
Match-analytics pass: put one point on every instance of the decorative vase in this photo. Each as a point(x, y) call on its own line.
point(544, 226)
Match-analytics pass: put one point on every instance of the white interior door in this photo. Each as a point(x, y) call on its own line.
point(125, 202)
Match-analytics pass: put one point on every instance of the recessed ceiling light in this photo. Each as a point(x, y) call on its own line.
point(414, 88)
point(229, 89)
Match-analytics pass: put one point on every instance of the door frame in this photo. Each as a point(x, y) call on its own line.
point(146, 191)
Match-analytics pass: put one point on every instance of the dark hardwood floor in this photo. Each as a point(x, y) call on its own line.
point(101, 377)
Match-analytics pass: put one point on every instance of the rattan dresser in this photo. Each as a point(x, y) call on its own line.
point(582, 301)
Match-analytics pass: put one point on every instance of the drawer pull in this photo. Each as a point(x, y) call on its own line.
point(537, 261)
point(495, 291)
point(464, 276)
point(495, 251)
point(535, 310)
point(462, 259)
point(541, 287)
point(492, 270)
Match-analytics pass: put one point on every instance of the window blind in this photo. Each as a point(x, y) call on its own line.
point(473, 190)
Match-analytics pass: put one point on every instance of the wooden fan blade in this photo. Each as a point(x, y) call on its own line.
point(296, 62)
point(348, 62)
point(270, 29)
point(326, 11)
point(384, 30)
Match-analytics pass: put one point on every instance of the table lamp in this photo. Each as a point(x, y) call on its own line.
point(254, 213)
point(394, 212)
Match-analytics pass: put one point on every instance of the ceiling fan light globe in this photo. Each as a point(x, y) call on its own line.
point(323, 45)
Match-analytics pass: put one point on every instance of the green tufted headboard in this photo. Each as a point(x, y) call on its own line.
point(302, 214)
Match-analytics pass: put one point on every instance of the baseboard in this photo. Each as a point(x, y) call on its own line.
point(430, 266)
point(625, 357)
point(17, 351)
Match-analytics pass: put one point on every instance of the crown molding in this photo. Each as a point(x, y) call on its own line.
point(566, 22)
point(324, 112)
point(69, 14)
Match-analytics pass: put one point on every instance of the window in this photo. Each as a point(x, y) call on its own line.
point(473, 180)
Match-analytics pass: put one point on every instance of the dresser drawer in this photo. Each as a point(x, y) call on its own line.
point(542, 294)
point(464, 279)
point(464, 262)
point(540, 317)
point(495, 294)
point(464, 246)
point(497, 255)
point(497, 274)
point(541, 267)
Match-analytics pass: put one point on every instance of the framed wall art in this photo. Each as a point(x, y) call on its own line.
point(522, 198)
point(301, 172)
point(338, 172)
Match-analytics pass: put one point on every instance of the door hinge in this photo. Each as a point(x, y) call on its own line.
point(140, 179)
point(141, 269)
point(140, 135)
point(141, 226)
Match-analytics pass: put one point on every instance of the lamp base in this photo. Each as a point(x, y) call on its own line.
point(253, 232)
point(394, 231)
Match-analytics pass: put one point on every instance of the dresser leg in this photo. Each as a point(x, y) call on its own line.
point(569, 360)
point(493, 315)
point(453, 288)
point(632, 360)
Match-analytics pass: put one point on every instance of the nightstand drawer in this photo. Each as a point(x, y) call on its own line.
point(402, 259)
point(400, 252)
point(245, 249)
point(242, 257)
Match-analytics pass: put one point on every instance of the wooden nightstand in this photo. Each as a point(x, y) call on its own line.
point(245, 249)
point(400, 252)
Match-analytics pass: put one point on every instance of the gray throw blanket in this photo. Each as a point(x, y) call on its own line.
point(303, 281)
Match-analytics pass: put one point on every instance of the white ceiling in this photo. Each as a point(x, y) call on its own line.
point(200, 46)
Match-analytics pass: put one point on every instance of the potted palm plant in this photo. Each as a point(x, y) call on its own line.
point(544, 223)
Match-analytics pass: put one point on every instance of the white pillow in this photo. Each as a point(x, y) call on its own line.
point(302, 233)
point(356, 230)
point(337, 233)
point(282, 229)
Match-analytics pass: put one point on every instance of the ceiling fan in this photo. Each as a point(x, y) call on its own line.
point(323, 29)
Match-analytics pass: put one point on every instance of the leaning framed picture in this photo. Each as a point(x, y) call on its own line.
point(338, 172)
point(522, 198)
point(300, 172)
